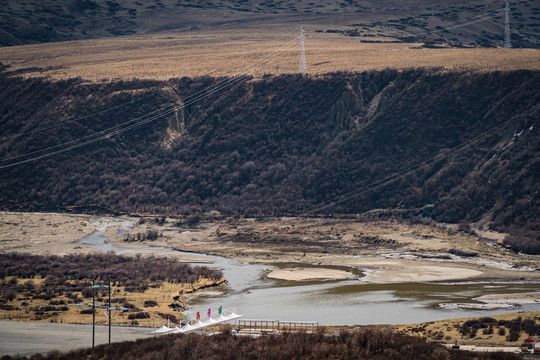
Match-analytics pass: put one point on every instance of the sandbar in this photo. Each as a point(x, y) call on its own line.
point(44, 233)
point(521, 298)
point(302, 274)
point(402, 272)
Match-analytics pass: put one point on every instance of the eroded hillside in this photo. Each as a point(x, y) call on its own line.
point(451, 146)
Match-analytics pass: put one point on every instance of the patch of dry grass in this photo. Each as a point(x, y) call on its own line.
point(163, 296)
point(447, 331)
point(268, 50)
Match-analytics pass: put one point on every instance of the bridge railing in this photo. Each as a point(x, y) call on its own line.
point(277, 325)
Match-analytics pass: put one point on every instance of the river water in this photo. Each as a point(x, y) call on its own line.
point(347, 302)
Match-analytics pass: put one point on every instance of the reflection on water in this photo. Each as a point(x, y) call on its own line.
point(351, 302)
point(327, 302)
point(435, 292)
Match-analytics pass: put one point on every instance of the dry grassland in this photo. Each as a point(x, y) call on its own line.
point(247, 51)
point(163, 295)
point(450, 330)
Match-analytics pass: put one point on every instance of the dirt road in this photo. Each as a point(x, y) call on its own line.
point(27, 338)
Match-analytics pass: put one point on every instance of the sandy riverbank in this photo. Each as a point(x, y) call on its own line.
point(60, 234)
point(386, 251)
point(114, 229)
point(401, 271)
point(521, 298)
point(378, 270)
point(44, 233)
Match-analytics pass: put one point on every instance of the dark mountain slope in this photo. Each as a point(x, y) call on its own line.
point(39, 21)
point(452, 146)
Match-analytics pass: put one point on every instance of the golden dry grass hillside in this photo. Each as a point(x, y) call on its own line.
point(490, 330)
point(247, 51)
point(56, 289)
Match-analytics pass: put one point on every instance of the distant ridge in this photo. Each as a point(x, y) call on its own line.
point(33, 21)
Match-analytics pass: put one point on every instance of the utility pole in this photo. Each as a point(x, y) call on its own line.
point(26, 300)
point(93, 304)
point(507, 39)
point(93, 310)
point(302, 68)
point(109, 309)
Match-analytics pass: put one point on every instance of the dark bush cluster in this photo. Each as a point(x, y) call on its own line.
point(124, 270)
point(515, 327)
point(168, 317)
point(71, 274)
point(462, 253)
point(139, 315)
point(150, 235)
point(470, 327)
point(526, 241)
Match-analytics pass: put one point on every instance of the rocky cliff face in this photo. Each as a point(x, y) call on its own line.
point(451, 146)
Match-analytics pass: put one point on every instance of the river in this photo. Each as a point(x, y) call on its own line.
point(346, 302)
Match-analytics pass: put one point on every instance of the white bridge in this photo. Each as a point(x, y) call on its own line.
point(199, 324)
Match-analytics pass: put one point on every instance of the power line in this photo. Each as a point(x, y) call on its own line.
point(192, 99)
point(302, 70)
point(224, 80)
point(410, 170)
point(77, 119)
point(507, 39)
point(302, 66)
point(133, 123)
point(93, 309)
point(469, 21)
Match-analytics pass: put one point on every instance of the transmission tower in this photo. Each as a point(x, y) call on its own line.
point(303, 66)
point(507, 40)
